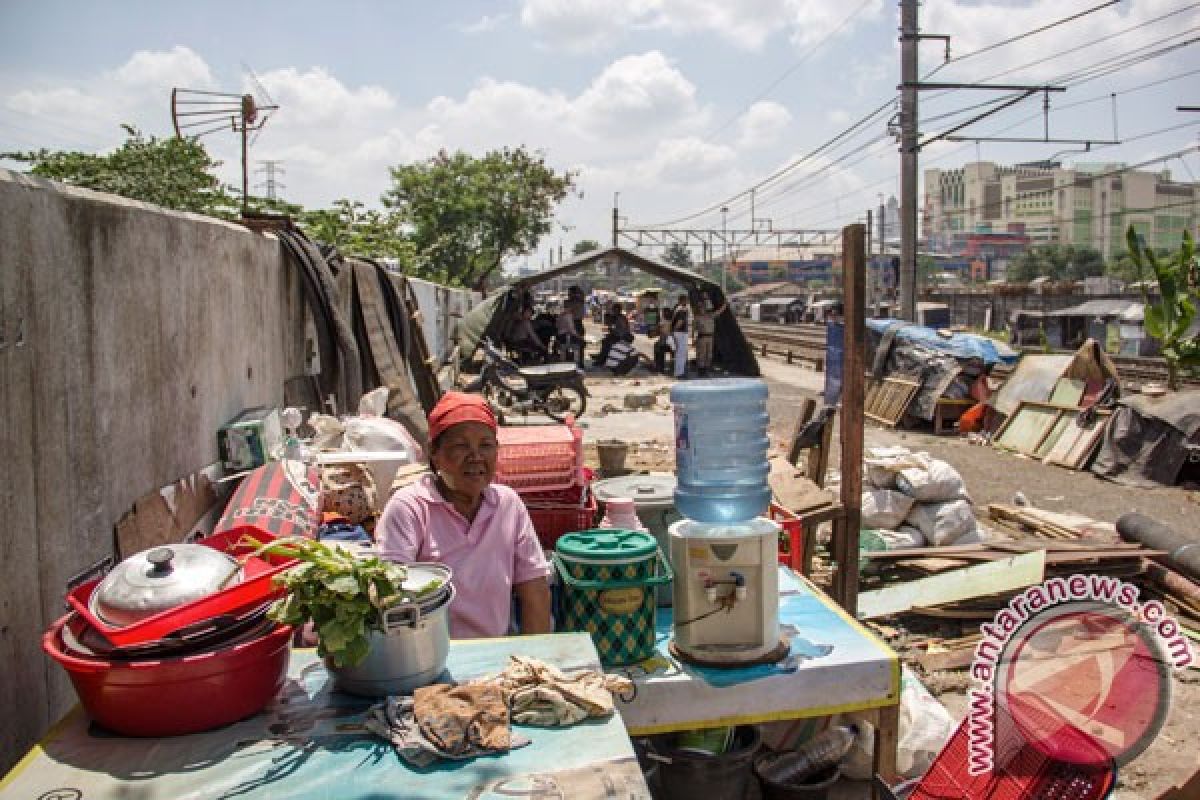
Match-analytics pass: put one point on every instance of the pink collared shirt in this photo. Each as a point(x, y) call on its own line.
point(489, 556)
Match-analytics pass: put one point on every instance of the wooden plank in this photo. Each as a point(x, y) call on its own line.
point(807, 407)
point(916, 552)
point(1068, 391)
point(1060, 425)
point(1026, 428)
point(949, 587)
point(846, 546)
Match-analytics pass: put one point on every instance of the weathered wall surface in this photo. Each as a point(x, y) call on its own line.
point(128, 335)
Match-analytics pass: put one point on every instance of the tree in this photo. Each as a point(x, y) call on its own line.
point(1168, 320)
point(172, 173)
point(466, 215)
point(679, 255)
point(584, 246)
point(355, 230)
point(1058, 263)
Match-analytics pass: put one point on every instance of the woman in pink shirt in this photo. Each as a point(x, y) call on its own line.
point(481, 530)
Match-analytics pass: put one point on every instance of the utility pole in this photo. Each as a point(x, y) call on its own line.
point(870, 273)
point(725, 255)
point(883, 260)
point(908, 160)
point(616, 218)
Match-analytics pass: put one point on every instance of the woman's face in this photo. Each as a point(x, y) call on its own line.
point(465, 457)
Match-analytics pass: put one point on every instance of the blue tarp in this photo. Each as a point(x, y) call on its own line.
point(959, 345)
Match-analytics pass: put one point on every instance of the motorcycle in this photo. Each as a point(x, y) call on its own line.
point(555, 390)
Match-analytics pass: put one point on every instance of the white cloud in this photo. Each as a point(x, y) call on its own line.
point(838, 117)
point(748, 24)
point(689, 160)
point(179, 66)
point(636, 93)
point(485, 24)
point(762, 124)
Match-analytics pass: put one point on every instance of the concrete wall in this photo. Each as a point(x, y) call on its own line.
point(128, 335)
point(441, 309)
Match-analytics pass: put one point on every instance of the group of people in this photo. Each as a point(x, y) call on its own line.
point(691, 321)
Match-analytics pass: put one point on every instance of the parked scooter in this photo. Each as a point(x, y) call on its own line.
point(555, 390)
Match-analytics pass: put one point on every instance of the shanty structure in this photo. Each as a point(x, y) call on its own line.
point(731, 352)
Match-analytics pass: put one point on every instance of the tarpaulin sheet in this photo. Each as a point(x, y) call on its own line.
point(1149, 439)
point(310, 744)
point(959, 345)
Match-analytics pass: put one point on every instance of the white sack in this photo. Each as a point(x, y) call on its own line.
point(882, 508)
point(937, 482)
point(881, 477)
point(329, 432)
point(374, 402)
point(905, 537)
point(973, 536)
point(943, 523)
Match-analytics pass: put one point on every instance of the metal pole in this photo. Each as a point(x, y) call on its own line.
point(725, 255)
point(616, 196)
point(908, 160)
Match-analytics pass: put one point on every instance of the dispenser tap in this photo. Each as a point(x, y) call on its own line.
point(739, 585)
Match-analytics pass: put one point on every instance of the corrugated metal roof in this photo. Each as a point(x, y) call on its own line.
point(1100, 307)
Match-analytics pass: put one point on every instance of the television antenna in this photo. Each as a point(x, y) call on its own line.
point(197, 112)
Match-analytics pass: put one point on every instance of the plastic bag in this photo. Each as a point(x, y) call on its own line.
point(381, 434)
point(942, 523)
point(329, 432)
point(937, 482)
point(925, 727)
point(374, 403)
point(883, 508)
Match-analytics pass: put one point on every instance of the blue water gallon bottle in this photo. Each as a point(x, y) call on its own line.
point(721, 449)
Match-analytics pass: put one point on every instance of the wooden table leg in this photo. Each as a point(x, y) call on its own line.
point(887, 737)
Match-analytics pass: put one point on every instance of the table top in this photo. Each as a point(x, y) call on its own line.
point(834, 666)
point(310, 744)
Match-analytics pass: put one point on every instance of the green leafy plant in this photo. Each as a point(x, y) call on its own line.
point(1168, 319)
point(342, 594)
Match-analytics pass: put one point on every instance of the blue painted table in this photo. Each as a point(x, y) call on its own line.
point(310, 745)
point(835, 666)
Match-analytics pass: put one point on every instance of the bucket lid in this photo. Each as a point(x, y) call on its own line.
point(653, 492)
point(609, 544)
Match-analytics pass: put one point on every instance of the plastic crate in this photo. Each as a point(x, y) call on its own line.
point(1027, 774)
point(574, 495)
point(540, 457)
point(791, 537)
point(551, 522)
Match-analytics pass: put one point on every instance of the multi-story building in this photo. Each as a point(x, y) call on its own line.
point(1088, 205)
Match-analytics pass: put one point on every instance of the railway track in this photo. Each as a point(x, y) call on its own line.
point(806, 343)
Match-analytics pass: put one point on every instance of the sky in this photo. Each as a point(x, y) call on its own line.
point(671, 107)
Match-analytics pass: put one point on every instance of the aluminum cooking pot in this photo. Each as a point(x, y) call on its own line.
point(408, 653)
point(159, 579)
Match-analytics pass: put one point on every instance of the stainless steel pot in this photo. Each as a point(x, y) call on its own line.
point(408, 653)
point(159, 579)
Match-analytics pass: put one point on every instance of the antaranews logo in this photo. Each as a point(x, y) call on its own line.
point(1078, 668)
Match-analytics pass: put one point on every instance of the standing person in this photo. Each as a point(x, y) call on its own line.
point(570, 343)
point(481, 530)
point(679, 333)
point(707, 311)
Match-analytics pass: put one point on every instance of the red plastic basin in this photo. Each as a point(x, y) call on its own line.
point(173, 696)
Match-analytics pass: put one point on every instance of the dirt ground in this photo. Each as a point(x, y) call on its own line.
point(990, 475)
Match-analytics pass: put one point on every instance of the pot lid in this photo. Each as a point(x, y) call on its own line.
point(606, 545)
point(653, 492)
point(162, 578)
point(428, 584)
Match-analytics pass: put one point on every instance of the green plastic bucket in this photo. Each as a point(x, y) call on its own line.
point(608, 579)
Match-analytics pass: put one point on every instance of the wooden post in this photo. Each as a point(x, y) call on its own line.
point(853, 370)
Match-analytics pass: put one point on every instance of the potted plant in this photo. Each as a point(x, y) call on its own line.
point(383, 627)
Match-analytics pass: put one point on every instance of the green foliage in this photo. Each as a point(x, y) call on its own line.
point(1058, 263)
point(466, 214)
point(584, 246)
point(356, 230)
point(344, 596)
point(679, 255)
point(1169, 319)
point(172, 173)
